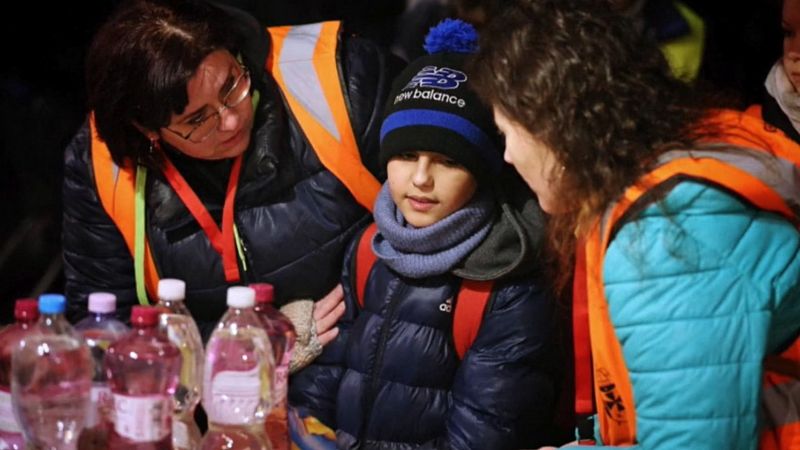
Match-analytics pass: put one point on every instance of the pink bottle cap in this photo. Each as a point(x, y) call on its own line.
point(265, 292)
point(145, 316)
point(26, 309)
point(102, 302)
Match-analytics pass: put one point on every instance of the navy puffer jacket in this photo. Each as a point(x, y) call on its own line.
point(293, 216)
point(392, 378)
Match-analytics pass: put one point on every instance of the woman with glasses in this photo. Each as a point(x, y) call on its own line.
point(198, 161)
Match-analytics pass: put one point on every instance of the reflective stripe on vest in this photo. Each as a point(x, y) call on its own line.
point(116, 187)
point(306, 57)
point(303, 60)
point(750, 170)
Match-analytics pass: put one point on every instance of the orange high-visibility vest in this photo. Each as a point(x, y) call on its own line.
point(736, 163)
point(303, 61)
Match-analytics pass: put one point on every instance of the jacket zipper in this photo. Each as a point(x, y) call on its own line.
point(369, 398)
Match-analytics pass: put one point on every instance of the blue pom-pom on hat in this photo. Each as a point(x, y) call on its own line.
point(451, 36)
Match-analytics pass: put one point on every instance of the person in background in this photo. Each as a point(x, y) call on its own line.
point(678, 221)
point(207, 158)
point(781, 105)
point(679, 31)
point(396, 377)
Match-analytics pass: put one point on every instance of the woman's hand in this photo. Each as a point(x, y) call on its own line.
point(315, 325)
point(327, 312)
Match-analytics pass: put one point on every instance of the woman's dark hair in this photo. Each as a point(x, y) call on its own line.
point(577, 77)
point(139, 64)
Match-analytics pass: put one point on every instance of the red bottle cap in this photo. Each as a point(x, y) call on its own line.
point(26, 309)
point(144, 316)
point(265, 293)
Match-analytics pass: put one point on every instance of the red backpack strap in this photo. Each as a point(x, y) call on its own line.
point(365, 259)
point(470, 306)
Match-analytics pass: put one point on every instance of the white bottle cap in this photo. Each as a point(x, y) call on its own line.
point(171, 289)
point(241, 297)
point(102, 302)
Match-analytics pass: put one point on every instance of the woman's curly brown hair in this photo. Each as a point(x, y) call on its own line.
point(577, 76)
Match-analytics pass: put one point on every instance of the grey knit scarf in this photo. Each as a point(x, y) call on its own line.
point(435, 249)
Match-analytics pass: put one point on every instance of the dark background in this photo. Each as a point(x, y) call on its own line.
point(42, 101)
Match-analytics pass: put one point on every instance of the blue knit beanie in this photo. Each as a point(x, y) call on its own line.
point(433, 108)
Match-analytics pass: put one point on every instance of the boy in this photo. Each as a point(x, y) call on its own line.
point(393, 378)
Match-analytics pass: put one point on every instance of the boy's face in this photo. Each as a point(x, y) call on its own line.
point(428, 186)
point(790, 21)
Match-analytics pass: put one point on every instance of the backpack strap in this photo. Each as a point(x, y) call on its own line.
point(365, 259)
point(470, 307)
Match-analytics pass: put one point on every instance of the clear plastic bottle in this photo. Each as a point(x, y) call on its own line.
point(177, 322)
point(282, 338)
point(99, 329)
point(238, 376)
point(225, 437)
point(51, 379)
point(142, 370)
point(26, 313)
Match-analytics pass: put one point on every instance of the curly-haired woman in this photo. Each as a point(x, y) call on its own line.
point(684, 220)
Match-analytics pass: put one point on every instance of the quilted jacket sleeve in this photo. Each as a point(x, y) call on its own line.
point(95, 255)
point(504, 391)
point(700, 288)
point(315, 387)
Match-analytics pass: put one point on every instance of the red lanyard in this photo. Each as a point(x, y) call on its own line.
point(222, 241)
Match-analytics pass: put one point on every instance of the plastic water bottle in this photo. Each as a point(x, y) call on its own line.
point(180, 327)
point(51, 379)
point(142, 370)
point(238, 376)
point(219, 437)
point(282, 338)
point(100, 329)
point(26, 313)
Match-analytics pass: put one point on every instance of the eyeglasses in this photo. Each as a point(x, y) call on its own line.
point(203, 127)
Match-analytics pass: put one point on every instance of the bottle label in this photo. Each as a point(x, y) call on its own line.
point(142, 419)
point(236, 396)
point(180, 434)
point(8, 422)
point(282, 378)
point(101, 400)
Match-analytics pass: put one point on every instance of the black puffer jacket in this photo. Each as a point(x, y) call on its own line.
point(392, 378)
point(293, 216)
